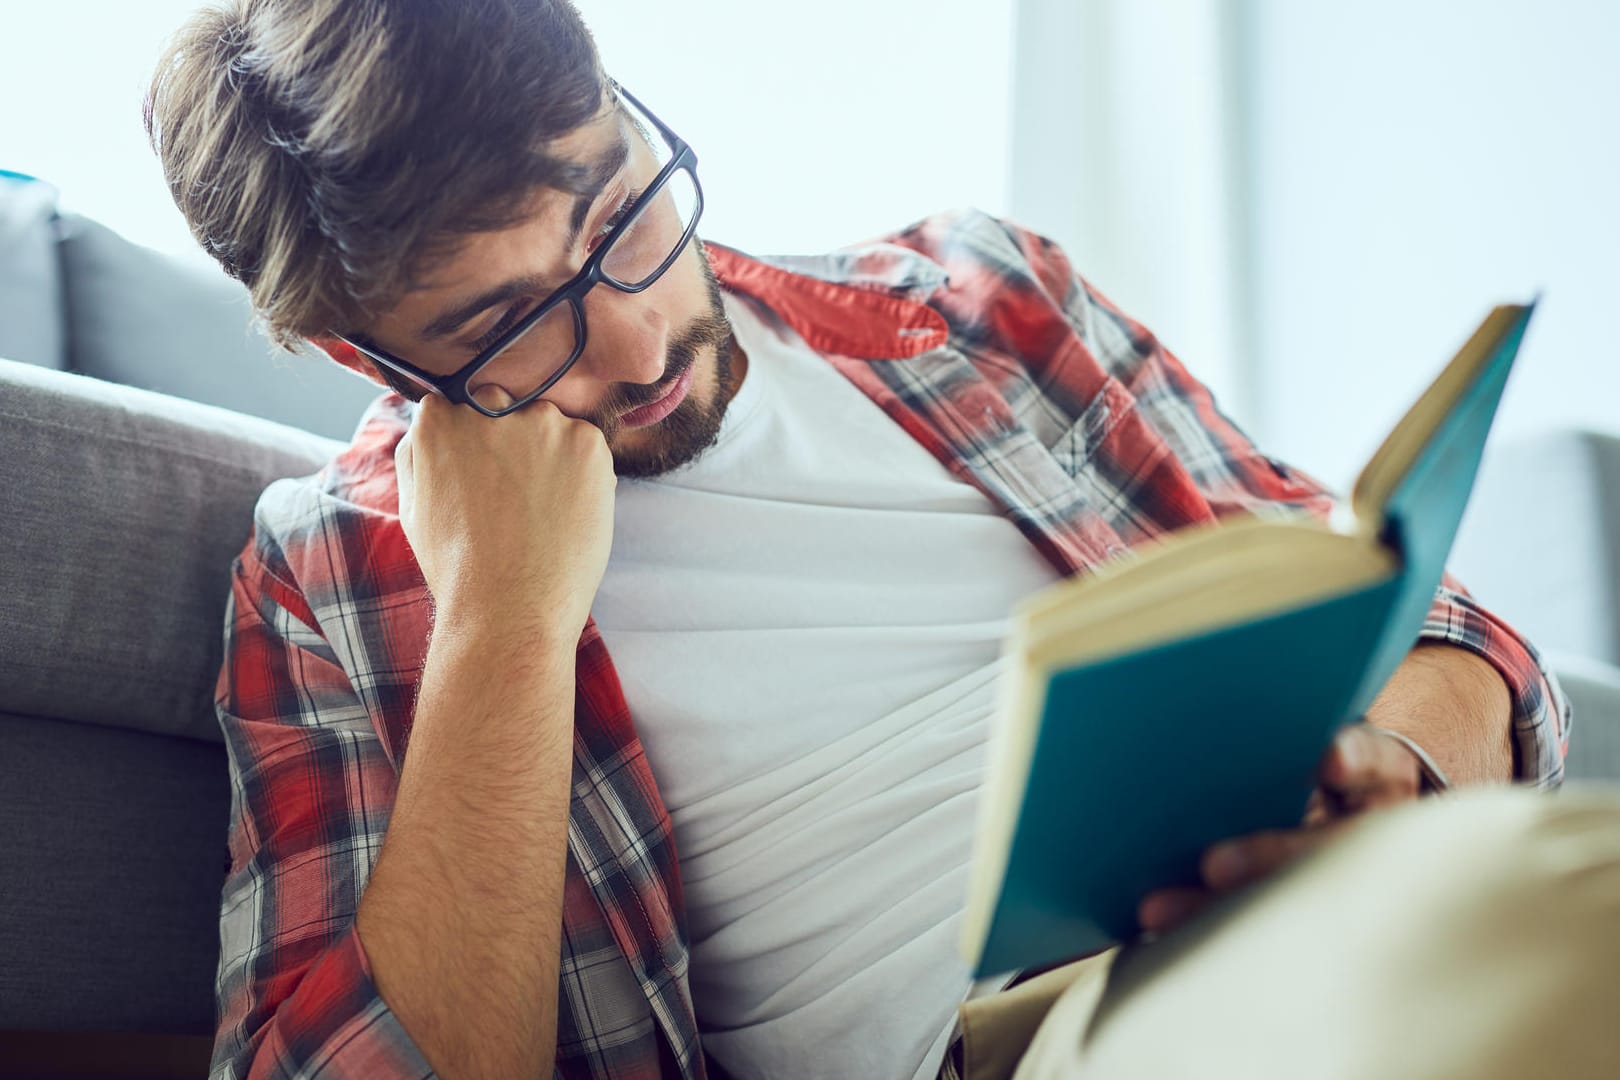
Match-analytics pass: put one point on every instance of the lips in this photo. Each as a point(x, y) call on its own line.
point(657, 410)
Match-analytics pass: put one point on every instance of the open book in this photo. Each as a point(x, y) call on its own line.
point(1186, 697)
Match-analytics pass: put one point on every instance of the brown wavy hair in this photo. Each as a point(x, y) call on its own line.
point(328, 152)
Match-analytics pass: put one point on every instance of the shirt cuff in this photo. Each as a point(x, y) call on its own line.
point(1541, 712)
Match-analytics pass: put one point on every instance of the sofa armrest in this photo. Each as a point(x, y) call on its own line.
point(1594, 735)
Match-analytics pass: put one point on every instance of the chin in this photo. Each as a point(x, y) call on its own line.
point(684, 434)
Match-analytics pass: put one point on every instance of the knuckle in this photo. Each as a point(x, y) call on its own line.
point(549, 418)
point(585, 433)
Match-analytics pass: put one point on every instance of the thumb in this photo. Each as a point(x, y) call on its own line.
point(404, 459)
point(1364, 770)
point(494, 397)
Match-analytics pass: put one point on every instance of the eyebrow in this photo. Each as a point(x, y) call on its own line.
point(606, 168)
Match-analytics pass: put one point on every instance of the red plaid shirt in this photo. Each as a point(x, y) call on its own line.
point(974, 336)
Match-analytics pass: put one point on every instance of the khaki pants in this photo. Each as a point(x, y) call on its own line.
point(1473, 936)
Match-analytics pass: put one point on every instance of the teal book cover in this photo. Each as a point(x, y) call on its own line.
point(1142, 761)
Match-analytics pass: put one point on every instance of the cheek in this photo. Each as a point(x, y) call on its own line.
point(682, 294)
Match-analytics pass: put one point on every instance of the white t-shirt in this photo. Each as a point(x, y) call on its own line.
point(807, 622)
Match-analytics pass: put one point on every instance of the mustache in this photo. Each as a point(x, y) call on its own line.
point(707, 330)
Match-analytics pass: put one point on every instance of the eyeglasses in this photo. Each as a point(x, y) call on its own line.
point(528, 358)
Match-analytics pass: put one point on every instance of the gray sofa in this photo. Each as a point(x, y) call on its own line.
point(120, 512)
point(139, 419)
point(1540, 546)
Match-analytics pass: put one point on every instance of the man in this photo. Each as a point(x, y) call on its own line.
point(465, 839)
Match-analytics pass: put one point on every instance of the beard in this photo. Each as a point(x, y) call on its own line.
point(692, 428)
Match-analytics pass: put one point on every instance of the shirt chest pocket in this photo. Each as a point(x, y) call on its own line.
point(1109, 443)
point(1126, 472)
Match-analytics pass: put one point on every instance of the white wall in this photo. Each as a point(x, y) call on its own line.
point(1128, 149)
point(1313, 203)
point(1415, 163)
point(1314, 254)
point(815, 125)
point(821, 124)
point(72, 77)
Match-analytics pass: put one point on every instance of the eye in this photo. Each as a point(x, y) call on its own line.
point(502, 324)
point(613, 222)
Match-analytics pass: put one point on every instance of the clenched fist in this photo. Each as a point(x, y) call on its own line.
point(511, 518)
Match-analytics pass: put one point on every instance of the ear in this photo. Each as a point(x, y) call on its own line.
point(347, 355)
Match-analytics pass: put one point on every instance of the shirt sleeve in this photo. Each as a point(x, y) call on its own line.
point(311, 793)
point(1235, 476)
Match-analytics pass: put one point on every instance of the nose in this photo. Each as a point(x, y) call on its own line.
point(625, 337)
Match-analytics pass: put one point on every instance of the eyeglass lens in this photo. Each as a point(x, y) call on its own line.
point(638, 255)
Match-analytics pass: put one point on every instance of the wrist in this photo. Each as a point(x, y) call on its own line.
point(1433, 779)
point(493, 628)
point(1455, 706)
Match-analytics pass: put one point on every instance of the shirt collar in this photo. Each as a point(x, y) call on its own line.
point(864, 302)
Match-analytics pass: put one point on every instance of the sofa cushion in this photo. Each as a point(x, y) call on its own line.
point(1540, 543)
point(119, 520)
point(1594, 734)
point(114, 849)
point(31, 317)
point(182, 327)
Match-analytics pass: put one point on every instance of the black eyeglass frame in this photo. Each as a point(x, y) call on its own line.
point(454, 386)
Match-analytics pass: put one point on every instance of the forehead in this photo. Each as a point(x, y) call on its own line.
point(546, 214)
point(590, 144)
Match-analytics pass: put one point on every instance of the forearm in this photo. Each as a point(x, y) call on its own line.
point(462, 916)
point(1455, 705)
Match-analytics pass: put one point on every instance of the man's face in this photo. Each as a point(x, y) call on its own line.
point(671, 341)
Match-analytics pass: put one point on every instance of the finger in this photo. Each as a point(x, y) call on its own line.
point(430, 405)
point(1362, 769)
point(495, 397)
point(405, 483)
point(1166, 909)
point(1345, 760)
point(1234, 863)
point(405, 460)
point(1320, 809)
